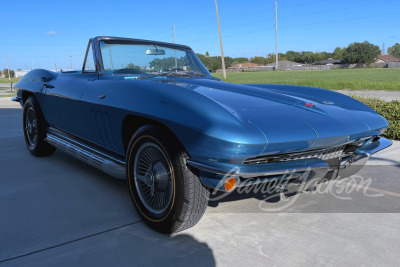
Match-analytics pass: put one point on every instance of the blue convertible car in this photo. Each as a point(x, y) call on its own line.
point(151, 112)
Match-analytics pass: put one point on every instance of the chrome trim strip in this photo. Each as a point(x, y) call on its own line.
point(86, 154)
point(85, 146)
point(258, 173)
point(375, 146)
point(16, 99)
point(206, 168)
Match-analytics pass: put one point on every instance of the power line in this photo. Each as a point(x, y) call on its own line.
point(340, 20)
point(337, 9)
point(299, 25)
point(241, 25)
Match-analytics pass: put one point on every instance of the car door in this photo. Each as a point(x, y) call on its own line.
point(63, 94)
point(62, 100)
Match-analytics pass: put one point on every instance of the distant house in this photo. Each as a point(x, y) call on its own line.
point(330, 61)
point(387, 59)
point(285, 63)
point(20, 73)
point(244, 66)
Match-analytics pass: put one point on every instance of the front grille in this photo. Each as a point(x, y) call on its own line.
point(324, 154)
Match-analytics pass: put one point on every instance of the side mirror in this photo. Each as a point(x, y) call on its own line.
point(155, 52)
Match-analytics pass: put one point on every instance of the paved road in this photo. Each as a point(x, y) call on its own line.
point(57, 211)
point(384, 95)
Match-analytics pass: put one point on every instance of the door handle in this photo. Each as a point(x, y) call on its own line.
point(49, 86)
point(102, 96)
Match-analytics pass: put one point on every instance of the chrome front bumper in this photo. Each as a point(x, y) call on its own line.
point(215, 176)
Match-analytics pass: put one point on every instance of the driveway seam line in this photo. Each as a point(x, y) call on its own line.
point(68, 242)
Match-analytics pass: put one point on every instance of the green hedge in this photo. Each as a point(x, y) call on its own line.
point(389, 110)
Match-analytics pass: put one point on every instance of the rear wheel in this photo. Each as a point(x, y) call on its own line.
point(165, 191)
point(35, 129)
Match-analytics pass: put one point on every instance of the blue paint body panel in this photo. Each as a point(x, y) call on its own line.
point(216, 122)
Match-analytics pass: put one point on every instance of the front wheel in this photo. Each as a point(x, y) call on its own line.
point(165, 191)
point(35, 129)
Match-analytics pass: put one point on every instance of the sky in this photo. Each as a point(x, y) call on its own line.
point(40, 34)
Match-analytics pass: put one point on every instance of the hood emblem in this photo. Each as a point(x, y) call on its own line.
point(308, 105)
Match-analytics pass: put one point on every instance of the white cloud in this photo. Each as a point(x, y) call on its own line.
point(51, 33)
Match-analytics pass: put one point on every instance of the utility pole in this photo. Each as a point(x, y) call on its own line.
point(176, 60)
point(8, 68)
point(55, 65)
point(220, 42)
point(383, 48)
point(276, 35)
point(70, 61)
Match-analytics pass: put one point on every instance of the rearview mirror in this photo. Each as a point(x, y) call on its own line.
point(155, 52)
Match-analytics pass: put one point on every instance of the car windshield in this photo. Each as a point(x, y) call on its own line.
point(150, 60)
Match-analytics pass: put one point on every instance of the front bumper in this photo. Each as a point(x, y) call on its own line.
point(215, 175)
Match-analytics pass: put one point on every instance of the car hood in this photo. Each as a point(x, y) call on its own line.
point(286, 119)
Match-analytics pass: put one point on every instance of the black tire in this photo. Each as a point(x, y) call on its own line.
point(189, 198)
point(34, 127)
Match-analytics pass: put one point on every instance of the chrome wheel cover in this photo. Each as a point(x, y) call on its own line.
point(153, 178)
point(31, 127)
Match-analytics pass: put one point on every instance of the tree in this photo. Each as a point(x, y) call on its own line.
point(259, 60)
point(5, 73)
point(307, 57)
point(271, 58)
point(167, 63)
point(394, 50)
point(132, 66)
point(207, 54)
point(291, 55)
point(1, 73)
point(361, 53)
point(214, 63)
point(239, 60)
point(338, 52)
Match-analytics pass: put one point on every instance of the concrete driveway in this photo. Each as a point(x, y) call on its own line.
point(57, 211)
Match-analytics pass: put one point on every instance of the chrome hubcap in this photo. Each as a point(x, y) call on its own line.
point(153, 178)
point(31, 127)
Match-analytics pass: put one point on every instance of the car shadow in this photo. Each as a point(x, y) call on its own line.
point(241, 194)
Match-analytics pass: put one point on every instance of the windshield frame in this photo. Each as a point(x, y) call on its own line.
point(117, 40)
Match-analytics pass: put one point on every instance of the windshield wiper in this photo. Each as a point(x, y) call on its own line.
point(192, 73)
point(172, 73)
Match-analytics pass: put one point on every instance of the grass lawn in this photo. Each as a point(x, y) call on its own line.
point(10, 95)
point(5, 80)
point(351, 79)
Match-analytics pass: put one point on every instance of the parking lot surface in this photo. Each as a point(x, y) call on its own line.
point(58, 211)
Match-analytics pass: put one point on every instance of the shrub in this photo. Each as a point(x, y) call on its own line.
point(389, 110)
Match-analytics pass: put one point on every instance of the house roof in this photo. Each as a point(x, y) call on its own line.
point(244, 65)
point(388, 58)
point(285, 63)
point(328, 61)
